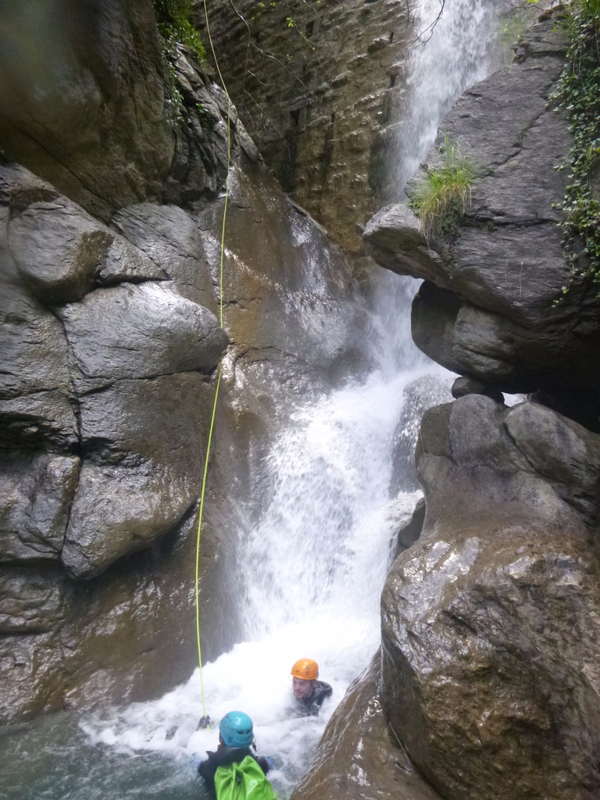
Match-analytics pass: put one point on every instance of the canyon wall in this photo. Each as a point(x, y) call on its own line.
point(114, 162)
point(317, 85)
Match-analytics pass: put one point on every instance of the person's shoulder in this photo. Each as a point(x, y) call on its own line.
point(324, 688)
point(228, 755)
point(263, 763)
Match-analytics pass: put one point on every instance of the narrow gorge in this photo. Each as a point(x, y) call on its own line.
point(404, 466)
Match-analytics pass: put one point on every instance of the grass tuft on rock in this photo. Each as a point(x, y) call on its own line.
point(441, 199)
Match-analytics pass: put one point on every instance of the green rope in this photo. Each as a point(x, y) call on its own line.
point(214, 410)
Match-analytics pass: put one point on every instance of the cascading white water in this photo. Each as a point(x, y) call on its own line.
point(311, 573)
point(311, 570)
point(455, 45)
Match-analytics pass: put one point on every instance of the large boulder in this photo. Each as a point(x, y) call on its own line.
point(490, 634)
point(62, 253)
point(171, 239)
point(139, 331)
point(144, 445)
point(57, 249)
point(492, 306)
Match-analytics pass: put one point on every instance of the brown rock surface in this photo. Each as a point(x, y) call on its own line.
point(490, 629)
point(318, 96)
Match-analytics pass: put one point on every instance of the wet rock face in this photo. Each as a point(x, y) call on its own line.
point(163, 333)
point(419, 394)
point(358, 758)
point(487, 308)
point(59, 106)
point(490, 635)
point(37, 491)
point(91, 105)
point(109, 341)
point(104, 408)
point(318, 96)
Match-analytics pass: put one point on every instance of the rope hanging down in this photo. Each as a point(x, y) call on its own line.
point(205, 719)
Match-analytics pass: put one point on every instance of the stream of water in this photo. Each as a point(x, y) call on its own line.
point(315, 563)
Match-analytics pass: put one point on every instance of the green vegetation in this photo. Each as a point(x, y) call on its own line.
point(175, 27)
point(578, 92)
point(442, 198)
point(174, 24)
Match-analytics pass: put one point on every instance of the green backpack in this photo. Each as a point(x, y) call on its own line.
point(244, 781)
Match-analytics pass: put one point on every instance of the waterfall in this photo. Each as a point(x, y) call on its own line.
point(312, 568)
point(309, 576)
point(455, 44)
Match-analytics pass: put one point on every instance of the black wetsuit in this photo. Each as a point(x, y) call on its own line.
point(222, 757)
point(309, 706)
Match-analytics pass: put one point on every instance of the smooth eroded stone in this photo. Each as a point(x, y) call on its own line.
point(433, 319)
point(562, 451)
point(162, 419)
point(136, 331)
point(144, 447)
point(36, 491)
point(490, 621)
point(171, 239)
point(58, 248)
point(491, 647)
point(473, 472)
point(396, 242)
point(494, 349)
point(119, 511)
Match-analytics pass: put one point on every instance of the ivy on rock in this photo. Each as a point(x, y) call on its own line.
point(578, 93)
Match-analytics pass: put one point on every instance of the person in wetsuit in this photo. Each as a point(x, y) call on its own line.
point(235, 742)
point(308, 691)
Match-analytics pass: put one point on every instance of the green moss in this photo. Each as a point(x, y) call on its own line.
point(578, 92)
point(174, 24)
point(441, 199)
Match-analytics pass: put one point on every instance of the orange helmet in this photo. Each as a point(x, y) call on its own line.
point(306, 669)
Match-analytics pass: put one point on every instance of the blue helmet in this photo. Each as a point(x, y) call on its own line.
point(236, 729)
